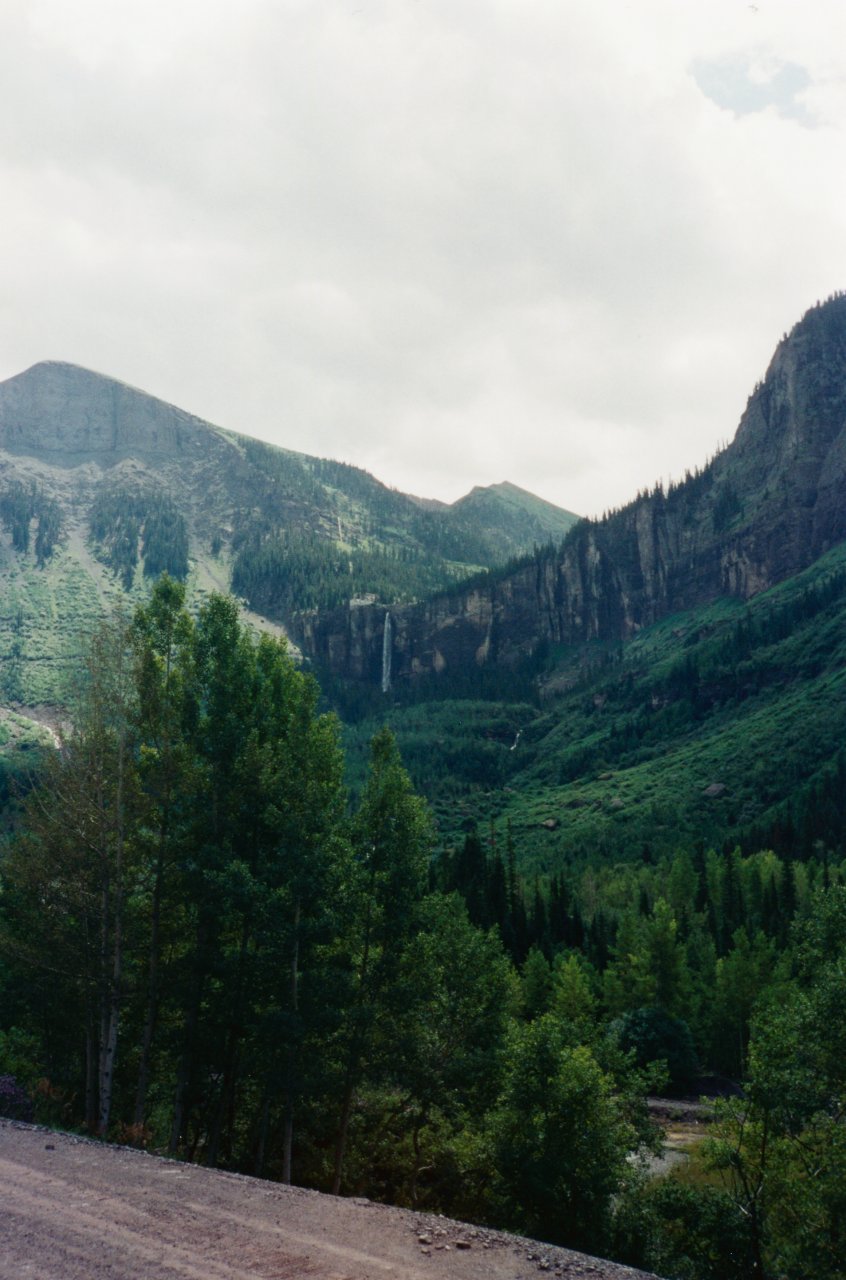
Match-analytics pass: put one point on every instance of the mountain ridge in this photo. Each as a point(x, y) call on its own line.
point(764, 508)
point(104, 486)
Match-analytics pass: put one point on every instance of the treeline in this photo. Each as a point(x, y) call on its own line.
point(771, 674)
point(20, 504)
point(286, 486)
point(128, 523)
point(316, 533)
point(718, 672)
point(441, 532)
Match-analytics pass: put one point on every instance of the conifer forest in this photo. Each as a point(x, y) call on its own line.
point(211, 950)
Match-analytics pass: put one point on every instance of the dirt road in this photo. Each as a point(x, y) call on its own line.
point(71, 1209)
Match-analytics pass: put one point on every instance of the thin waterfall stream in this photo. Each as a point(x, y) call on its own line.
point(387, 637)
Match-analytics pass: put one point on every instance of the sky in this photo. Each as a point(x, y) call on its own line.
point(454, 242)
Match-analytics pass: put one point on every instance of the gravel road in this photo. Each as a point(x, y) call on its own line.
point(71, 1209)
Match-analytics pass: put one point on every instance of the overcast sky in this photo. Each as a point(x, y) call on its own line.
point(452, 241)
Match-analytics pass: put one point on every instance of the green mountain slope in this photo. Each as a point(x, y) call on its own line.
point(669, 676)
point(722, 724)
point(102, 487)
point(358, 538)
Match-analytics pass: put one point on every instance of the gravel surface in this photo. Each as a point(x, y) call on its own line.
point(73, 1209)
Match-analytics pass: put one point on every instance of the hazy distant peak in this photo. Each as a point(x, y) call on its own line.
point(505, 488)
point(48, 365)
point(551, 521)
point(60, 410)
point(80, 380)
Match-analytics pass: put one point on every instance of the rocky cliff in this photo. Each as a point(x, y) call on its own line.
point(767, 506)
point(68, 415)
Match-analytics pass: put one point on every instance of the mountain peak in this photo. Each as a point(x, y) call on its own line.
point(76, 376)
point(69, 414)
point(550, 521)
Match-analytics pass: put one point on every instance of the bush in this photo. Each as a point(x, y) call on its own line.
point(689, 1233)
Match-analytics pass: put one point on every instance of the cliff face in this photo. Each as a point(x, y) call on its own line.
point(765, 508)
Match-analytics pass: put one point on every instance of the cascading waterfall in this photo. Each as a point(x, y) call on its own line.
point(386, 653)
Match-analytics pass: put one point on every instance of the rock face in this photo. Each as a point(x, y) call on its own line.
point(62, 413)
point(762, 510)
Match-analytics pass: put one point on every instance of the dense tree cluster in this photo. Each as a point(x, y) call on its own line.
point(132, 524)
point(722, 969)
point(20, 505)
point(286, 572)
point(696, 936)
point(772, 1200)
point(317, 533)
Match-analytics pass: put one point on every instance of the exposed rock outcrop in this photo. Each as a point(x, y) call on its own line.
point(766, 507)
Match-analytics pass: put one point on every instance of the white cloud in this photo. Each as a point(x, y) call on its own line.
point(455, 242)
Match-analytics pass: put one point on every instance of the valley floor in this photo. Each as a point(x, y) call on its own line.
point(78, 1209)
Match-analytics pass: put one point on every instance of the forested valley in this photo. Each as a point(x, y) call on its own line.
point(208, 948)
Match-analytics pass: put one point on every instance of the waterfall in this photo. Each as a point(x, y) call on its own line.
point(386, 654)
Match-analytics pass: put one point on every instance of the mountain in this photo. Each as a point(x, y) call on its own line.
point(103, 486)
point(724, 723)
point(671, 676)
point(672, 672)
point(765, 508)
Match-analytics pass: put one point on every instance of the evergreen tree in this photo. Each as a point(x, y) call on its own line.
point(75, 871)
point(392, 838)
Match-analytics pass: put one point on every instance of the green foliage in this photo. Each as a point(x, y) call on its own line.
point(741, 978)
point(292, 998)
point(653, 1035)
point(445, 1069)
point(725, 724)
point(649, 964)
point(684, 1232)
point(127, 522)
point(559, 1139)
point(573, 1001)
point(536, 983)
point(392, 837)
point(20, 504)
point(775, 1200)
point(291, 570)
point(199, 943)
point(318, 533)
point(782, 1148)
